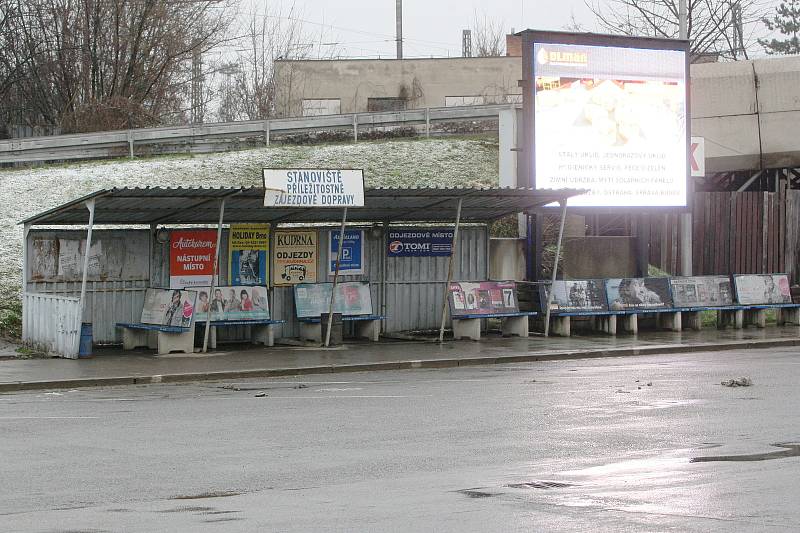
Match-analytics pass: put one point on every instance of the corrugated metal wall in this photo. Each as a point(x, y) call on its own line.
point(414, 285)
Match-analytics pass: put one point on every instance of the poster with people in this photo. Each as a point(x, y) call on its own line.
point(485, 297)
point(248, 254)
point(638, 293)
point(575, 295)
point(313, 299)
point(702, 291)
point(169, 307)
point(233, 302)
point(754, 289)
point(295, 257)
point(191, 258)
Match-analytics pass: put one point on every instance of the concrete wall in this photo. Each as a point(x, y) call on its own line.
point(746, 110)
point(599, 257)
point(507, 259)
point(424, 82)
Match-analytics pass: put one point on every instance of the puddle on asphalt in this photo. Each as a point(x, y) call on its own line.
point(540, 485)
point(475, 493)
point(217, 494)
point(187, 510)
point(789, 450)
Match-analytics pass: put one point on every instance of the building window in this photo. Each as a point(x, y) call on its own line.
point(321, 106)
point(386, 104)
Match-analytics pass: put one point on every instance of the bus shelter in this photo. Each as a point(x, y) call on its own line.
point(92, 259)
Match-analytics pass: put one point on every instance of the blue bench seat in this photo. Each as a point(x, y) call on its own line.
point(163, 339)
point(261, 330)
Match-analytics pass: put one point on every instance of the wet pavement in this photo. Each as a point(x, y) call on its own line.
point(114, 362)
point(574, 445)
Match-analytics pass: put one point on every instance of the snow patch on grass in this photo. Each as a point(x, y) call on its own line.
point(401, 163)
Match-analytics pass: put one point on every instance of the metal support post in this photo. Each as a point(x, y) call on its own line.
point(453, 250)
point(90, 207)
point(25, 231)
point(130, 144)
point(214, 273)
point(335, 278)
point(355, 127)
point(555, 267)
point(384, 266)
point(266, 132)
point(427, 122)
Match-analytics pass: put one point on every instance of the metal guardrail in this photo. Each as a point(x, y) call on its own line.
point(202, 137)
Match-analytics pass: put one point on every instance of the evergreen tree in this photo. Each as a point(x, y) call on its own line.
point(787, 22)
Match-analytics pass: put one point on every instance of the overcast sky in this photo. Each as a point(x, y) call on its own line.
point(430, 27)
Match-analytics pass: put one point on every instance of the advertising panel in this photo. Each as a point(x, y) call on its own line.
point(419, 242)
point(638, 293)
point(295, 257)
point(575, 295)
point(191, 258)
point(482, 298)
point(233, 302)
point(702, 291)
point(248, 254)
point(352, 298)
point(168, 307)
point(302, 187)
point(754, 289)
point(610, 117)
point(352, 261)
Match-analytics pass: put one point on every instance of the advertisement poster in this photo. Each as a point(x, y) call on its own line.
point(419, 242)
point(191, 258)
point(303, 187)
point(702, 291)
point(352, 261)
point(611, 120)
point(482, 298)
point(295, 257)
point(248, 254)
point(169, 307)
point(757, 289)
point(576, 295)
point(233, 302)
point(352, 298)
point(638, 293)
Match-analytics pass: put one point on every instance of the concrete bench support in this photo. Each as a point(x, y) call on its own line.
point(755, 317)
point(162, 341)
point(469, 328)
point(263, 334)
point(730, 318)
point(670, 321)
point(692, 320)
point(788, 316)
point(368, 329)
point(137, 338)
point(311, 331)
point(561, 326)
point(606, 324)
point(629, 323)
point(515, 326)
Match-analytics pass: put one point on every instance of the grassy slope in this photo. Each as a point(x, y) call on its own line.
point(25, 192)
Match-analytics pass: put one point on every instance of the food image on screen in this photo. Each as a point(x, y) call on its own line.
point(611, 120)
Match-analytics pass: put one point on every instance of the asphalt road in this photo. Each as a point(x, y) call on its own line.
point(589, 445)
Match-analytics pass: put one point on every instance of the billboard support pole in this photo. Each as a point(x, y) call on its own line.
point(335, 279)
point(555, 267)
point(450, 269)
point(214, 274)
point(685, 219)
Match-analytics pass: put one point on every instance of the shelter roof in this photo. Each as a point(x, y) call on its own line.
point(163, 205)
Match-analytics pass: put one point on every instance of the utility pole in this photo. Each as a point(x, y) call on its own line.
point(197, 83)
point(399, 21)
point(466, 43)
point(685, 225)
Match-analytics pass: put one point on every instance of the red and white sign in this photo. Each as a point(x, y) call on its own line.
point(191, 258)
point(697, 157)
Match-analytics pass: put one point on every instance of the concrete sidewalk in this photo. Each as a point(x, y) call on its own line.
point(116, 367)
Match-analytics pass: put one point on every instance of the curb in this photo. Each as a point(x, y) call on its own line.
point(389, 365)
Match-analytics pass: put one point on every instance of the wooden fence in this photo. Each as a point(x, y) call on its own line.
point(734, 232)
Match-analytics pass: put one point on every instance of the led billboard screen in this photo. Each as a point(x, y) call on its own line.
point(611, 119)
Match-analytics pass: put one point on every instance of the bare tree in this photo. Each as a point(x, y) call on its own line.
point(723, 28)
point(488, 37)
point(250, 84)
point(84, 65)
